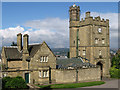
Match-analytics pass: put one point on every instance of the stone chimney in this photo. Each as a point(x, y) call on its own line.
point(87, 14)
point(19, 41)
point(25, 44)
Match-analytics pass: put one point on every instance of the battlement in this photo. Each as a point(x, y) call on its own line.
point(89, 20)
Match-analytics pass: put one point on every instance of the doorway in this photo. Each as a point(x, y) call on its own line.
point(27, 77)
point(101, 68)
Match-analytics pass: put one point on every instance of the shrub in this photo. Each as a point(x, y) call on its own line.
point(16, 82)
point(114, 73)
point(5, 80)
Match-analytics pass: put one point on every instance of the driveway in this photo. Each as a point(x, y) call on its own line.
point(112, 84)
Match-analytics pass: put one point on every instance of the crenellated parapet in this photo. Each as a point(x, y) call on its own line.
point(89, 20)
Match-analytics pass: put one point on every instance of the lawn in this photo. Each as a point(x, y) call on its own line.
point(72, 85)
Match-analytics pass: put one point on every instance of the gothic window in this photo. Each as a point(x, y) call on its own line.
point(103, 41)
point(84, 52)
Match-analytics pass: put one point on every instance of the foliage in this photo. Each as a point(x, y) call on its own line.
point(72, 85)
point(13, 44)
point(16, 82)
point(115, 73)
point(116, 61)
point(115, 67)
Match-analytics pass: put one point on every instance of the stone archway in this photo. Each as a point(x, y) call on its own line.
point(101, 68)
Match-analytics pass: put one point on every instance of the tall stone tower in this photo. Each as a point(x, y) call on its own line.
point(89, 38)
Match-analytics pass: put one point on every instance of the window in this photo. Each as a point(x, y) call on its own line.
point(99, 30)
point(41, 59)
point(79, 52)
point(100, 52)
point(103, 41)
point(84, 52)
point(74, 42)
point(40, 74)
point(78, 41)
point(44, 59)
point(45, 73)
point(47, 59)
point(96, 40)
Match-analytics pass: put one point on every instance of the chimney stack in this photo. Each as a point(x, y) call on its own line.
point(19, 41)
point(25, 43)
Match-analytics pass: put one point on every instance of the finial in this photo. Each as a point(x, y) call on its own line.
point(74, 5)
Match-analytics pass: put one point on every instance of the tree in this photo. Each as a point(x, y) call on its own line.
point(13, 44)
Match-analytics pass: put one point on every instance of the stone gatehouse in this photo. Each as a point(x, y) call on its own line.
point(37, 64)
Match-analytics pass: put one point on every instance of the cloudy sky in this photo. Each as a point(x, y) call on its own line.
point(49, 21)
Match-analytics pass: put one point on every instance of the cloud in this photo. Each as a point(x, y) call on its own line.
point(55, 31)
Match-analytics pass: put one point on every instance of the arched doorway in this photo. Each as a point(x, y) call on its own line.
point(101, 68)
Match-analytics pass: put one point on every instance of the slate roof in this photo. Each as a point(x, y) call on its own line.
point(74, 62)
point(13, 53)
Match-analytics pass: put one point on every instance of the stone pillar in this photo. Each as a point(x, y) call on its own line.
point(19, 41)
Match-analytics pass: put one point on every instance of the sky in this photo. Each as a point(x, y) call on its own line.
point(49, 21)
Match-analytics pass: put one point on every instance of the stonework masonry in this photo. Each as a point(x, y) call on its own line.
point(89, 38)
point(37, 64)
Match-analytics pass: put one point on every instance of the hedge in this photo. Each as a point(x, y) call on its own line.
point(114, 73)
point(16, 82)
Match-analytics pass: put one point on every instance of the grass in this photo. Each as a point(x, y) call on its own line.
point(72, 85)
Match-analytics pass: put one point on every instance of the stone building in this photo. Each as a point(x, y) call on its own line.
point(89, 38)
point(37, 64)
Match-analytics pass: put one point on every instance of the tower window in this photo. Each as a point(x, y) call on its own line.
point(99, 30)
point(100, 52)
point(96, 40)
point(103, 41)
point(84, 52)
point(74, 42)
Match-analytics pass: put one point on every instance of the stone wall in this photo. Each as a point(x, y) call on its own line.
point(80, 75)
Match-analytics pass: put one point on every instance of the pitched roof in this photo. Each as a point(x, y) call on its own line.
point(12, 52)
point(33, 49)
point(73, 62)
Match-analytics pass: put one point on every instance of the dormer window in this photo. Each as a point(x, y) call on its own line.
point(99, 30)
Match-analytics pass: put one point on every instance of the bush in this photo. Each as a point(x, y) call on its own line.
point(114, 73)
point(5, 80)
point(16, 82)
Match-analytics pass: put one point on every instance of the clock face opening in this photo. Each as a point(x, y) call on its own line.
point(99, 30)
